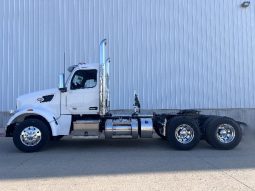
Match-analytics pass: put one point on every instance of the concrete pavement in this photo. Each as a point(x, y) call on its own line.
point(151, 164)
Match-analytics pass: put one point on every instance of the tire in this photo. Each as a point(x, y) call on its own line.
point(216, 133)
point(31, 127)
point(174, 128)
point(205, 125)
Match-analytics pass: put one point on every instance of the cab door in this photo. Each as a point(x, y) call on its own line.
point(82, 96)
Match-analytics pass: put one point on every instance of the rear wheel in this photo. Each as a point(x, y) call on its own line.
point(31, 135)
point(183, 133)
point(223, 133)
point(205, 125)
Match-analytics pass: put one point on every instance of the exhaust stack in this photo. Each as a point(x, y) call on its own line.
point(102, 51)
point(104, 80)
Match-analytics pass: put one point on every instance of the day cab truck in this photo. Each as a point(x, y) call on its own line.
point(81, 107)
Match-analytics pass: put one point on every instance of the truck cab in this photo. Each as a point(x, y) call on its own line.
point(80, 94)
point(86, 91)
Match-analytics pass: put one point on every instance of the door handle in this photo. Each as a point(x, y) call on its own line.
point(93, 108)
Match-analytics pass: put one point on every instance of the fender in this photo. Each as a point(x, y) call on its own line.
point(60, 125)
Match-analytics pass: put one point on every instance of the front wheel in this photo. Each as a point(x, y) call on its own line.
point(31, 135)
point(183, 133)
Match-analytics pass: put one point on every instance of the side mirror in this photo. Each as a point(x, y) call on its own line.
point(61, 83)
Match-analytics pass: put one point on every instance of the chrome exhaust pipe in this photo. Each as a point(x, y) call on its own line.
point(102, 89)
point(102, 51)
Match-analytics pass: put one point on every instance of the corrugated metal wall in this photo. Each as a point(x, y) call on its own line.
point(175, 54)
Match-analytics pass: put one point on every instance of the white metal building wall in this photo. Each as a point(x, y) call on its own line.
point(175, 54)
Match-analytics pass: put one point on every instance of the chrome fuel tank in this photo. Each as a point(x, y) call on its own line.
point(128, 128)
point(146, 127)
point(121, 128)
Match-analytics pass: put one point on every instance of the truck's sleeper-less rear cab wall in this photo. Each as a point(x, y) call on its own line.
point(80, 107)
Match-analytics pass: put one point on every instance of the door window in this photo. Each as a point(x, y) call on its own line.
point(84, 79)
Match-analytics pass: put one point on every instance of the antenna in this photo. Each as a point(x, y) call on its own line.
point(64, 65)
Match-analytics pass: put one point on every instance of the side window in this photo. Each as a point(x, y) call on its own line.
point(84, 79)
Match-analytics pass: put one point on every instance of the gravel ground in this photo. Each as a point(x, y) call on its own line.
point(144, 164)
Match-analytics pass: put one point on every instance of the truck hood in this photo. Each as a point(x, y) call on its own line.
point(36, 98)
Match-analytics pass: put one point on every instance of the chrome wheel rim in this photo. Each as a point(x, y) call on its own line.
point(30, 136)
point(225, 133)
point(184, 133)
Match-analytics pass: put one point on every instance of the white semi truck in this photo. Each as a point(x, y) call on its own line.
point(80, 107)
